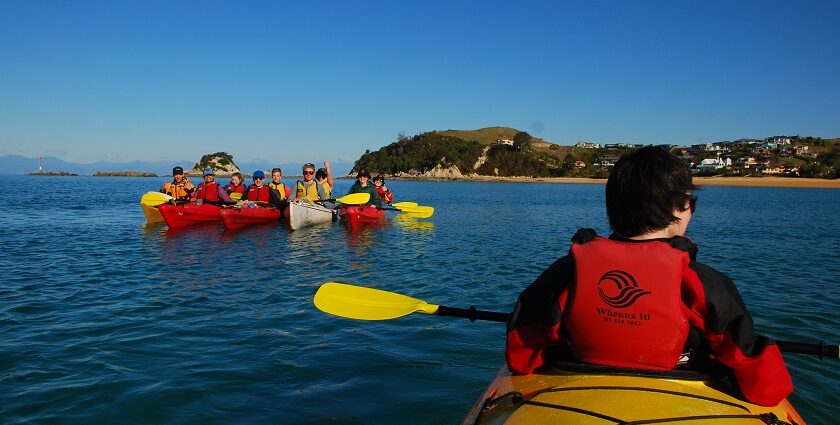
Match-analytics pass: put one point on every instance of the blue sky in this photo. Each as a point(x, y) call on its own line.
point(313, 80)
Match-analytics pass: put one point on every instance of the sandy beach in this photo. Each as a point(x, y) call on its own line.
point(699, 181)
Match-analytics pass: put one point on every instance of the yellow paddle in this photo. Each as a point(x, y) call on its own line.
point(354, 199)
point(416, 212)
point(401, 205)
point(154, 198)
point(361, 303)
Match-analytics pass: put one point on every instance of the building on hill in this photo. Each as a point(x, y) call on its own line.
point(587, 145)
point(506, 142)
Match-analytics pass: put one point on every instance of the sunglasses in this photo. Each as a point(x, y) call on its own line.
point(258, 178)
point(692, 203)
point(308, 173)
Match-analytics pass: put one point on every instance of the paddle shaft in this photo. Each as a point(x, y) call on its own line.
point(821, 350)
point(472, 314)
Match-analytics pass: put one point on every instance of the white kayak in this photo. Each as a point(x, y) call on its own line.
point(303, 213)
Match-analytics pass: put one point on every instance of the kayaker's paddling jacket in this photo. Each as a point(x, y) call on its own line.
point(369, 189)
point(177, 190)
point(626, 303)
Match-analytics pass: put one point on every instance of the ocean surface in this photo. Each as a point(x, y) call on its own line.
point(107, 320)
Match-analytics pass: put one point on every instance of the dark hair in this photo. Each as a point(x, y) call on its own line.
point(643, 189)
point(321, 173)
point(379, 177)
point(273, 170)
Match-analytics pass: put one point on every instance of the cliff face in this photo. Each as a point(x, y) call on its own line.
point(221, 163)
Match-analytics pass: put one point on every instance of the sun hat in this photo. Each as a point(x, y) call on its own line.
point(259, 174)
point(363, 172)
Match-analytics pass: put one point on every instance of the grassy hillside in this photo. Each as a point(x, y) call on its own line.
point(486, 136)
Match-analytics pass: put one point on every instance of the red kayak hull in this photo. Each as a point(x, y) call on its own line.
point(237, 218)
point(187, 214)
point(360, 215)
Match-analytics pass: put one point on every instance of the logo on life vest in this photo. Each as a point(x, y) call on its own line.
point(619, 289)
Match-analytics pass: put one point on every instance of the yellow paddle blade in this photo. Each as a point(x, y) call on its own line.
point(154, 198)
point(236, 196)
point(358, 302)
point(419, 212)
point(355, 199)
point(401, 205)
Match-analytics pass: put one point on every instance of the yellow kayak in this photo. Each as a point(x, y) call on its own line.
point(582, 394)
point(149, 202)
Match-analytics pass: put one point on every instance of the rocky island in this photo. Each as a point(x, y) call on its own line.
point(221, 163)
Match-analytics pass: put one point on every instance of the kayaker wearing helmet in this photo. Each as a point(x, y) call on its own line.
point(210, 191)
point(638, 299)
point(236, 184)
point(363, 185)
point(180, 187)
point(279, 192)
point(257, 192)
point(384, 193)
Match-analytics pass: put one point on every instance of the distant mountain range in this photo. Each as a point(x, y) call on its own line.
point(17, 164)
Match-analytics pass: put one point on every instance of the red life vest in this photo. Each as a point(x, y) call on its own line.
point(258, 193)
point(625, 308)
point(208, 192)
point(230, 188)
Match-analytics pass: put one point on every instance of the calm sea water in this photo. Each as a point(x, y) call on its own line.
point(107, 320)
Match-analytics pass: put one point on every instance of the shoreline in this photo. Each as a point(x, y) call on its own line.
point(798, 182)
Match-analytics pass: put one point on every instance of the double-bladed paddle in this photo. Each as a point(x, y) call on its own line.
point(351, 199)
point(154, 198)
point(361, 303)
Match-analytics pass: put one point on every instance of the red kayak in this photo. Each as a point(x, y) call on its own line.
point(184, 215)
point(360, 215)
point(237, 218)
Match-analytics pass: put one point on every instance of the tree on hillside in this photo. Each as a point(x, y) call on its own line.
point(521, 140)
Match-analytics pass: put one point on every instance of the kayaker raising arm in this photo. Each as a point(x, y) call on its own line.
point(384, 193)
point(180, 187)
point(210, 191)
point(363, 185)
point(639, 299)
point(325, 181)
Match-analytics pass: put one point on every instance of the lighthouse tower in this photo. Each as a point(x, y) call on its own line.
point(40, 168)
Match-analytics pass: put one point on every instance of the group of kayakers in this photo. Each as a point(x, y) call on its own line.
point(316, 185)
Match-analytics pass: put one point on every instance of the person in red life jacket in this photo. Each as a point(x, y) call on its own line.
point(180, 187)
point(210, 191)
point(639, 299)
point(258, 192)
point(280, 193)
point(236, 185)
point(384, 193)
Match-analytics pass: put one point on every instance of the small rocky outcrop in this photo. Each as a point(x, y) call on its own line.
point(221, 163)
